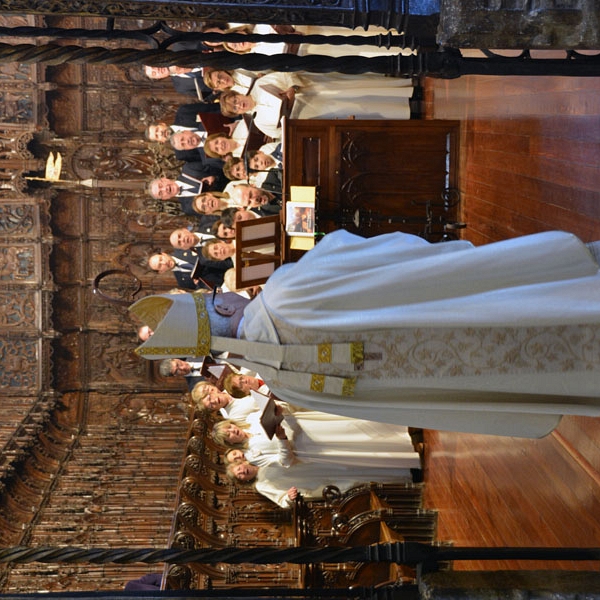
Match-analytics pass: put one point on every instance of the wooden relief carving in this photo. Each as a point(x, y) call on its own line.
point(112, 162)
point(18, 264)
point(17, 219)
point(13, 143)
point(19, 364)
point(111, 363)
point(19, 310)
point(13, 21)
point(140, 410)
point(16, 107)
point(12, 182)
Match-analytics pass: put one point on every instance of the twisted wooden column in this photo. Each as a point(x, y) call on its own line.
point(394, 552)
point(53, 54)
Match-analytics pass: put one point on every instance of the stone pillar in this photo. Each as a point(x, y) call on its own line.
point(542, 24)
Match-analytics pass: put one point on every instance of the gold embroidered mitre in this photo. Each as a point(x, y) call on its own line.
point(180, 324)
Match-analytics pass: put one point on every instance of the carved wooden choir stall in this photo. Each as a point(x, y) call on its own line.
point(94, 442)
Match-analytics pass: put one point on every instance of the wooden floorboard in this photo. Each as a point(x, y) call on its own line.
point(529, 162)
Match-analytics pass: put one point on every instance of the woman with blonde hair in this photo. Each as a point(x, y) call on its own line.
point(219, 250)
point(208, 397)
point(320, 438)
point(220, 145)
point(211, 203)
point(250, 437)
point(239, 80)
point(239, 385)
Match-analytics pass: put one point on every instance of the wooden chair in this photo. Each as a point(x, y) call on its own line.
point(254, 262)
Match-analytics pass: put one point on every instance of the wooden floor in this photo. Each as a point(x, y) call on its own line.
point(530, 161)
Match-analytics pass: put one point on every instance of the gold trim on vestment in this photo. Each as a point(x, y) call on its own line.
point(348, 386)
point(203, 341)
point(357, 352)
point(317, 383)
point(324, 353)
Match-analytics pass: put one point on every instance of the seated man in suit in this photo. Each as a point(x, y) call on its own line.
point(185, 80)
point(184, 239)
point(192, 271)
point(161, 133)
point(262, 201)
point(195, 177)
point(191, 370)
point(187, 139)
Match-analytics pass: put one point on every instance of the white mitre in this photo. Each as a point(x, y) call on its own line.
point(180, 324)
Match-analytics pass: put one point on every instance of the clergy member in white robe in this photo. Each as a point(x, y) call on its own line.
point(500, 339)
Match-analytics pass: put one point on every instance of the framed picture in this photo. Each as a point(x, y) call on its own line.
point(300, 219)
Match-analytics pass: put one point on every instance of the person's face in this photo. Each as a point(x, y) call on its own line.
point(235, 455)
point(244, 471)
point(207, 203)
point(183, 239)
point(180, 367)
point(238, 171)
point(161, 262)
point(156, 72)
point(164, 189)
point(220, 80)
point(261, 161)
point(160, 133)
point(239, 104)
point(225, 232)
point(245, 383)
point(234, 434)
point(241, 46)
point(221, 250)
point(215, 399)
point(185, 140)
point(221, 145)
point(243, 214)
point(144, 333)
point(251, 197)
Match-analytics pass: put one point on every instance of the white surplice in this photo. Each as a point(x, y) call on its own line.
point(500, 339)
point(273, 480)
point(315, 437)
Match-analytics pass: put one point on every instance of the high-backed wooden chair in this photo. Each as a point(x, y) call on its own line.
point(257, 250)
